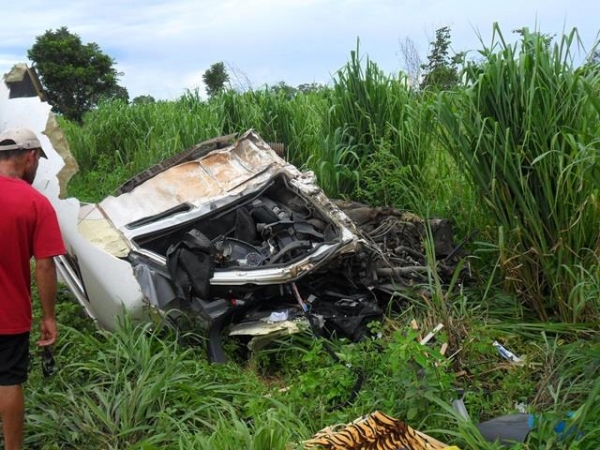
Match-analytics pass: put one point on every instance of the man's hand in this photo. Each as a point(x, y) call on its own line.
point(49, 332)
point(45, 272)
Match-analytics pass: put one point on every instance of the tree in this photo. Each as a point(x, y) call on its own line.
point(143, 100)
point(441, 70)
point(283, 88)
point(75, 76)
point(307, 88)
point(117, 93)
point(412, 61)
point(215, 78)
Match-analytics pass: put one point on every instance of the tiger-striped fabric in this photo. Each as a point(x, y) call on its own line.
point(376, 431)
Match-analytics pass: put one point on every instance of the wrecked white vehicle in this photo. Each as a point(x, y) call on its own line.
point(227, 232)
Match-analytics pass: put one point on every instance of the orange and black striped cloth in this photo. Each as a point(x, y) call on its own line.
point(376, 431)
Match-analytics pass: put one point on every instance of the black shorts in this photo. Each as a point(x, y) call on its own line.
point(14, 358)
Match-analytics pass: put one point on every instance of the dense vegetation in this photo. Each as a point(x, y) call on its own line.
point(513, 153)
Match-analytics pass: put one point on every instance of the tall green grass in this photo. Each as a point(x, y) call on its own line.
point(527, 134)
point(296, 121)
point(136, 386)
point(376, 117)
point(118, 140)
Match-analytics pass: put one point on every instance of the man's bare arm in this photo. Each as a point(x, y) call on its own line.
point(45, 277)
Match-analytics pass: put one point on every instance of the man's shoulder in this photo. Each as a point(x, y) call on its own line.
point(15, 184)
point(33, 192)
point(23, 190)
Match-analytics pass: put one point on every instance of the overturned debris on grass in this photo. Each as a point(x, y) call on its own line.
point(228, 233)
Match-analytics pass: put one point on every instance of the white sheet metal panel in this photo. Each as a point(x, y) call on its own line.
point(109, 282)
point(221, 172)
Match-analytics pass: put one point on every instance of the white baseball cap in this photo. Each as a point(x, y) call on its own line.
point(20, 139)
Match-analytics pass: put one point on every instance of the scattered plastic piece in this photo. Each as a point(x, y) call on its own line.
point(516, 427)
point(507, 354)
point(430, 335)
point(278, 316)
point(506, 429)
point(460, 408)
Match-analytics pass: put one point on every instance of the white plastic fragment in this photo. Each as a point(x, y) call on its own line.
point(433, 332)
point(278, 316)
point(507, 354)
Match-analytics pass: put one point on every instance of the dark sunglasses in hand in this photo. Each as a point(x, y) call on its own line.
point(48, 363)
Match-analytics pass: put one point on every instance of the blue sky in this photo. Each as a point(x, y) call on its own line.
point(164, 47)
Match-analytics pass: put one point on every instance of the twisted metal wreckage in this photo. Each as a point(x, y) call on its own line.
point(227, 232)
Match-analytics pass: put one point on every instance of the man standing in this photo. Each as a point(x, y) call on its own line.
point(28, 228)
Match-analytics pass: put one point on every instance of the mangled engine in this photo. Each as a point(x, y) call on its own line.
point(270, 256)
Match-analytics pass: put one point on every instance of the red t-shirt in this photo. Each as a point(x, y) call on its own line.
point(28, 228)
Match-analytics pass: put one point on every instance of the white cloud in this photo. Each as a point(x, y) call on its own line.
point(164, 47)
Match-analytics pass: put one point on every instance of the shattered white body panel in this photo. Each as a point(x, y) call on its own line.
point(118, 289)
